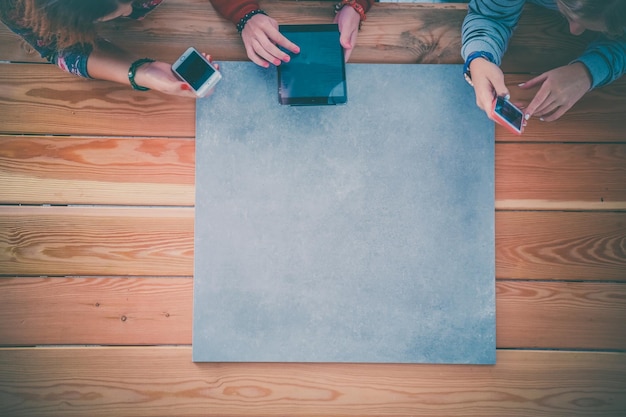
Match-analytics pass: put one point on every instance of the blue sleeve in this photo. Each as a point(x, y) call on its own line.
point(488, 26)
point(605, 59)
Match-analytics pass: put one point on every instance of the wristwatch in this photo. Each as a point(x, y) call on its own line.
point(478, 54)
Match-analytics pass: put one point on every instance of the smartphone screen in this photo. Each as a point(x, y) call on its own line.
point(510, 113)
point(194, 70)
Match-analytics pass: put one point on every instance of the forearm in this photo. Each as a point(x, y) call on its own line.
point(488, 26)
point(605, 60)
point(234, 10)
point(109, 62)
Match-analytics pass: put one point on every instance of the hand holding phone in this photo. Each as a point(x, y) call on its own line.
point(508, 115)
point(193, 68)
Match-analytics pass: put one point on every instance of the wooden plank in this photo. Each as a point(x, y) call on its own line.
point(561, 315)
point(154, 381)
point(159, 242)
point(160, 171)
point(40, 99)
point(560, 245)
point(111, 311)
point(152, 311)
point(399, 33)
point(96, 241)
point(103, 170)
point(531, 176)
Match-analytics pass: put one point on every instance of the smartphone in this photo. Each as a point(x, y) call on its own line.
point(508, 115)
point(193, 68)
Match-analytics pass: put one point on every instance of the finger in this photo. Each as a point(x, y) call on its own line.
point(484, 95)
point(280, 40)
point(346, 42)
point(545, 107)
point(252, 55)
point(533, 82)
point(539, 102)
point(185, 91)
point(260, 56)
point(560, 111)
point(270, 52)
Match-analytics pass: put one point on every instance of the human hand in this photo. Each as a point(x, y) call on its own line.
point(160, 77)
point(488, 81)
point(262, 40)
point(560, 89)
point(348, 21)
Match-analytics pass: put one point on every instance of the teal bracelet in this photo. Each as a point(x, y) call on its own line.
point(133, 70)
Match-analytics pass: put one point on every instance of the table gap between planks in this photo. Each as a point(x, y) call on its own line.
point(96, 240)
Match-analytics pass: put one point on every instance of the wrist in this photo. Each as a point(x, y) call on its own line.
point(244, 20)
point(132, 73)
point(355, 6)
point(468, 62)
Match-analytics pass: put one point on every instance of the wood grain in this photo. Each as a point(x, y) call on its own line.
point(157, 311)
point(159, 242)
point(561, 315)
point(160, 171)
point(560, 245)
point(163, 382)
point(121, 272)
point(102, 170)
point(96, 241)
point(564, 176)
point(40, 99)
point(398, 33)
point(96, 310)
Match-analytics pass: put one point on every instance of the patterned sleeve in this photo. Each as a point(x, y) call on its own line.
point(488, 26)
point(73, 59)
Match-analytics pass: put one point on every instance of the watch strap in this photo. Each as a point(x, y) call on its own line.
point(477, 54)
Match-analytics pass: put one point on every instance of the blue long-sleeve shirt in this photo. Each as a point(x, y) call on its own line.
point(489, 25)
point(73, 59)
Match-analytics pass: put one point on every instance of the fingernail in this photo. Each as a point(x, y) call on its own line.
point(527, 116)
point(521, 84)
point(508, 96)
point(185, 87)
point(541, 118)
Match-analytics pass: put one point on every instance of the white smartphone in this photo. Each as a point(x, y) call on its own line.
point(508, 115)
point(193, 68)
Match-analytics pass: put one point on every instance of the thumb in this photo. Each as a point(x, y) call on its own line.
point(344, 40)
point(500, 89)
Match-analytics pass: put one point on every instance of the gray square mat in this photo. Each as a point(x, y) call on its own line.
point(354, 233)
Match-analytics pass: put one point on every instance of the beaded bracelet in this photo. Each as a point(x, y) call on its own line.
point(356, 6)
point(248, 16)
point(133, 70)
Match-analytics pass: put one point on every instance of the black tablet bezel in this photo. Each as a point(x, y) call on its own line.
point(313, 100)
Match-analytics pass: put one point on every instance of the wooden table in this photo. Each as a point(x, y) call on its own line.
point(96, 241)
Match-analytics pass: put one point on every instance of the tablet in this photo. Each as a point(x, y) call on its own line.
point(317, 75)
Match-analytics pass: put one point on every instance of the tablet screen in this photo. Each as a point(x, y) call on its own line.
point(317, 75)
